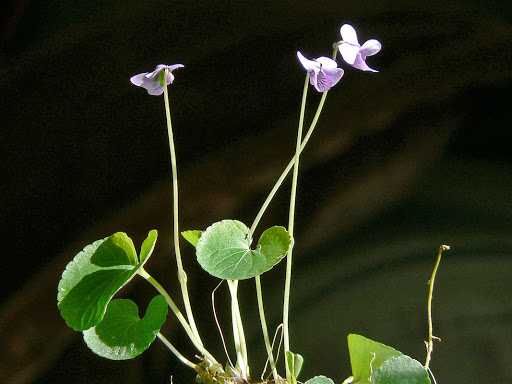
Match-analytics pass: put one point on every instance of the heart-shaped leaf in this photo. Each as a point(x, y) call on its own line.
point(94, 276)
point(366, 356)
point(122, 334)
point(224, 250)
point(401, 370)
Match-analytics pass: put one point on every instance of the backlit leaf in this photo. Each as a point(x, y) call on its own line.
point(224, 250)
point(95, 275)
point(401, 370)
point(366, 356)
point(122, 334)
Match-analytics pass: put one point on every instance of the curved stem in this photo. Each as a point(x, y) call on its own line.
point(291, 217)
point(289, 166)
point(173, 349)
point(263, 321)
point(431, 337)
point(142, 272)
point(182, 276)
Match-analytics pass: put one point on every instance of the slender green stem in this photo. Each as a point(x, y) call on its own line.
point(291, 219)
point(289, 166)
point(431, 337)
point(238, 330)
point(142, 272)
point(182, 276)
point(264, 328)
point(173, 349)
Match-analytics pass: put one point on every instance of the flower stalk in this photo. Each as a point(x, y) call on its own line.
point(182, 276)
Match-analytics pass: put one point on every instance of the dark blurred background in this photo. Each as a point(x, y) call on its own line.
point(402, 161)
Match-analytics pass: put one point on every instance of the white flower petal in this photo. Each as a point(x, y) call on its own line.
point(327, 62)
point(348, 34)
point(348, 52)
point(309, 65)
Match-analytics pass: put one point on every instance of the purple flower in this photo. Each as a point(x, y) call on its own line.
point(324, 72)
point(153, 82)
point(353, 53)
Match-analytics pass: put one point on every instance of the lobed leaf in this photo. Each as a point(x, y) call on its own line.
point(122, 335)
point(224, 250)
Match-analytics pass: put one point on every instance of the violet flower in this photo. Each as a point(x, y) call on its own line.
point(324, 72)
point(153, 82)
point(353, 53)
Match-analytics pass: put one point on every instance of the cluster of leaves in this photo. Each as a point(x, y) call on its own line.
point(111, 328)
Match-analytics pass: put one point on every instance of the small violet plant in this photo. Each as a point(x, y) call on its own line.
point(112, 327)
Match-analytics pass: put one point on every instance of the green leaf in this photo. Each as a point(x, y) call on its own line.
point(148, 245)
point(192, 236)
point(117, 250)
point(366, 356)
point(224, 250)
point(401, 370)
point(86, 287)
point(295, 362)
point(122, 334)
point(319, 380)
point(85, 304)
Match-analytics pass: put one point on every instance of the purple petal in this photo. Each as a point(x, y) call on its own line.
point(138, 79)
point(175, 66)
point(155, 91)
point(348, 34)
point(147, 81)
point(327, 78)
point(370, 48)
point(361, 64)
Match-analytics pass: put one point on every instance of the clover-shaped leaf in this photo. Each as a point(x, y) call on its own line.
point(366, 356)
point(95, 275)
point(401, 370)
point(224, 250)
point(122, 335)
